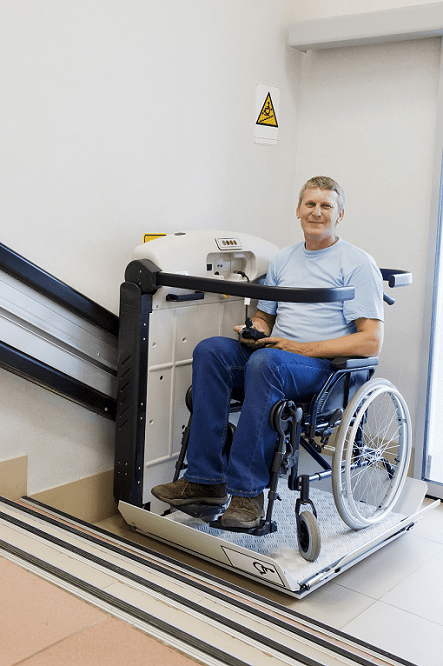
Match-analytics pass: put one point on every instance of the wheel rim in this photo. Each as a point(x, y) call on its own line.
point(373, 457)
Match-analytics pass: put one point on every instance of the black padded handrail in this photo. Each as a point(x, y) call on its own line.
point(258, 291)
point(149, 278)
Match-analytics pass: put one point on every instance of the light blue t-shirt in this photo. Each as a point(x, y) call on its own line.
point(340, 265)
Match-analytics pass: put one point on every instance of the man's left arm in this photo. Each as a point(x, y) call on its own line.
point(367, 341)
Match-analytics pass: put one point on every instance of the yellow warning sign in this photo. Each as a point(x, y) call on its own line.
point(267, 114)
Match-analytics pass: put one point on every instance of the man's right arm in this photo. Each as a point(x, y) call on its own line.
point(263, 322)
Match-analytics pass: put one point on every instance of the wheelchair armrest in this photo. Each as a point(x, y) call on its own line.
point(353, 363)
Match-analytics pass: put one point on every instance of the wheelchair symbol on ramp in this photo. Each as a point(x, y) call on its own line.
point(251, 564)
point(263, 570)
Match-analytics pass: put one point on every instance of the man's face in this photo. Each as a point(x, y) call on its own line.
point(319, 215)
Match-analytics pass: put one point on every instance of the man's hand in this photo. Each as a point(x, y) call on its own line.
point(283, 344)
point(365, 342)
point(262, 322)
point(250, 342)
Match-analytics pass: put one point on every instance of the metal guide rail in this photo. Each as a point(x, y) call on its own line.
point(56, 337)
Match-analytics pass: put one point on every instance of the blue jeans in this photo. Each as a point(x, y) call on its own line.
point(266, 377)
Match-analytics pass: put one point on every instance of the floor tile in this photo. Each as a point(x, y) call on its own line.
point(422, 592)
point(389, 566)
point(35, 614)
point(109, 643)
point(401, 633)
point(431, 525)
point(393, 599)
point(333, 605)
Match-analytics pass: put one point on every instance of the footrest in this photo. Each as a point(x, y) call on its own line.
point(206, 512)
point(263, 528)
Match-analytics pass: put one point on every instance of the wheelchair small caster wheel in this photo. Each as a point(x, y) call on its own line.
point(309, 540)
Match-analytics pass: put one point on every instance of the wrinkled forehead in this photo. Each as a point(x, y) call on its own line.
point(317, 194)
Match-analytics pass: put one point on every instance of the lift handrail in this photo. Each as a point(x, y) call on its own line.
point(149, 277)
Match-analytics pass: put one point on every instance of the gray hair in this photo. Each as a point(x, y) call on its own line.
point(324, 183)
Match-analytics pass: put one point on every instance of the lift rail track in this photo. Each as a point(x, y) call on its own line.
point(284, 635)
point(54, 336)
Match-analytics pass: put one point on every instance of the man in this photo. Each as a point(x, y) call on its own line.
point(293, 361)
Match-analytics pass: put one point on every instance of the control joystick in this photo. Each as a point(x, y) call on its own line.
point(251, 333)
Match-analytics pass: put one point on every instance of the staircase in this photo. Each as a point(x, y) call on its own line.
point(204, 617)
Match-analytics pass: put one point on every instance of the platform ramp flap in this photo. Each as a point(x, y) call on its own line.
point(274, 560)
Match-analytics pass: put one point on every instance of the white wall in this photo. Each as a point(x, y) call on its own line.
point(121, 117)
point(313, 9)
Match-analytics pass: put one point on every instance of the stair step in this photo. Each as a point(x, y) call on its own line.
point(204, 617)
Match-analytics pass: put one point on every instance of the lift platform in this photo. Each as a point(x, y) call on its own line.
point(274, 560)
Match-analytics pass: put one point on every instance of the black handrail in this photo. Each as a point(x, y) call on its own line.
point(148, 277)
point(27, 367)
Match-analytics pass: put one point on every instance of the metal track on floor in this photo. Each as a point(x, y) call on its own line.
point(243, 627)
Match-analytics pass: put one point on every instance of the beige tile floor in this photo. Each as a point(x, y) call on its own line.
point(393, 599)
point(42, 625)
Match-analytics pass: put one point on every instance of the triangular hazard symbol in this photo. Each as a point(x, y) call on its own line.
point(267, 114)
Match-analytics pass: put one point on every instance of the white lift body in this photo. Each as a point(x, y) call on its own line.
point(177, 326)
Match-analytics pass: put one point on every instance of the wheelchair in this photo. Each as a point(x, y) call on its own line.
point(365, 423)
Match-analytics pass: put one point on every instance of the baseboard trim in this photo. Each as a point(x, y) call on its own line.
point(14, 477)
point(90, 499)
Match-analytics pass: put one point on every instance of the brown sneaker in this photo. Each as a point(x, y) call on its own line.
point(181, 492)
point(244, 512)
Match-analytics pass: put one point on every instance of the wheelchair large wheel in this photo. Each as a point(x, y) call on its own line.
point(372, 453)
